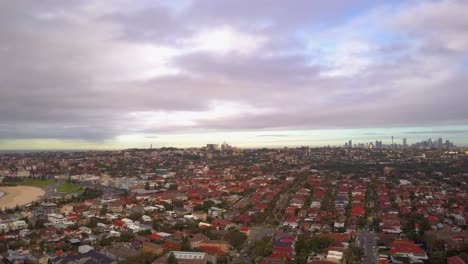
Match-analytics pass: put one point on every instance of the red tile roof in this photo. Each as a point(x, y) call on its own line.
point(406, 246)
point(455, 260)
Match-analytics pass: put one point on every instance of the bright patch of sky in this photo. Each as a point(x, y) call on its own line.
point(254, 139)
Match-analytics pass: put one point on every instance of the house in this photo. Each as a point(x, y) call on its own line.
point(66, 209)
point(17, 225)
point(196, 239)
point(57, 219)
point(84, 249)
point(406, 248)
point(48, 208)
point(172, 244)
point(335, 255)
point(152, 248)
point(113, 233)
point(358, 211)
point(185, 257)
point(245, 230)
point(455, 260)
point(459, 219)
point(315, 204)
point(291, 222)
point(337, 238)
point(146, 218)
point(291, 211)
point(121, 252)
point(261, 207)
point(91, 257)
point(222, 224)
point(219, 244)
point(155, 237)
point(215, 211)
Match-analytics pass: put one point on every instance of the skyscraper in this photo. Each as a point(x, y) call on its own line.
point(350, 144)
point(378, 144)
point(405, 145)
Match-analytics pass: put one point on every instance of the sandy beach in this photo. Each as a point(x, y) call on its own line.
point(19, 195)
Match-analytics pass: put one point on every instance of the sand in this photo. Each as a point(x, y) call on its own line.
point(19, 195)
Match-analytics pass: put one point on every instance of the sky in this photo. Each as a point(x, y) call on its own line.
point(120, 74)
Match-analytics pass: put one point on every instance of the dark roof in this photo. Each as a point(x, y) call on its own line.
point(91, 257)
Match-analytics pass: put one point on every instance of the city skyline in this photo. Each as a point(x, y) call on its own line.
point(278, 139)
point(122, 74)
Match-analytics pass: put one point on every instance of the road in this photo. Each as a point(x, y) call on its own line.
point(256, 233)
point(368, 242)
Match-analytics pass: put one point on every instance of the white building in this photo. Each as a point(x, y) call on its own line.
point(3, 227)
point(57, 219)
point(23, 173)
point(195, 257)
point(17, 225)
point(334, 256)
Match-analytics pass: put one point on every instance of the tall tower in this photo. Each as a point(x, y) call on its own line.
point(405, 143)
point(393, 146)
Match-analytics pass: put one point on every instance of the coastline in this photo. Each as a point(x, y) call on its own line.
point(19, 195)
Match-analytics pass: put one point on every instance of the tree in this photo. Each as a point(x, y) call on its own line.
point(146, 232)
point(126, 237)
point(354, 253)
point(361, 222)
point(135, 216)
point(235, 238)
point(263, 248)
point(207, 205)
point(185, 245)
point(156, 224)
point(104, 209)
point(105, 242)
point(168, 206)
point(438, 257)
point(3, 248)
point(172, 259)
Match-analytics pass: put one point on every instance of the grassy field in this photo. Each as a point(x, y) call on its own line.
point(38, 183)
point(69, 188)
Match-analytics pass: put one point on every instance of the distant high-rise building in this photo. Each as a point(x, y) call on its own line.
point(350, 143)
point(378, 144)
point(212, 147)
point(405, 145)
point(439, 143)
point(225, 146)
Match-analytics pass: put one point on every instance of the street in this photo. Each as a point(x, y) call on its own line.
point(368, 242)
point(257, 233)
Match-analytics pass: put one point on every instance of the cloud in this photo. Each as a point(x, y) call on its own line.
point(277, 136)
point(95, 71)
point(438, 132)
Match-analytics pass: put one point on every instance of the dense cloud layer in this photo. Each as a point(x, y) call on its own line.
point(95, 70)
